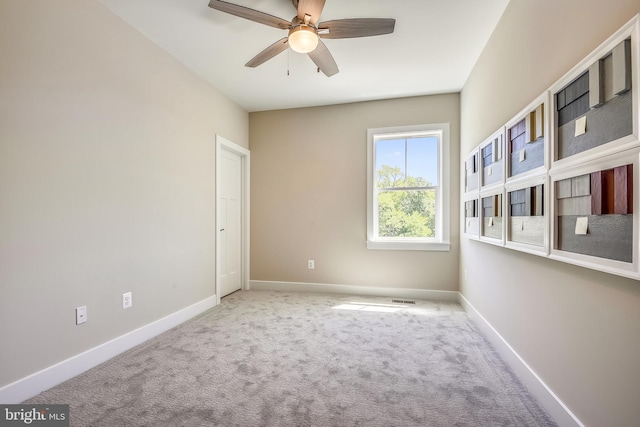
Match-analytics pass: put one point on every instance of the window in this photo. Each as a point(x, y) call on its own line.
point(408, 188)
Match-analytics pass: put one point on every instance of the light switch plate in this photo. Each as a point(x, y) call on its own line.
point(81, 314)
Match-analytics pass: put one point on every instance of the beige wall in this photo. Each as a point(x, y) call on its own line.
point(107, 155)
point(578, 329)
point(308, 196)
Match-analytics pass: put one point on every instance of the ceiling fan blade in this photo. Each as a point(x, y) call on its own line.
point(313, 8)
point(250, 14)
point(323, 59)
point(356, 27)
point(268, 53)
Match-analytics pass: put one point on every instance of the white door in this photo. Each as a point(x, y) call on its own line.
point(229, 222)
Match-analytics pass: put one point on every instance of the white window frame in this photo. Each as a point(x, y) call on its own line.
point(441, 241)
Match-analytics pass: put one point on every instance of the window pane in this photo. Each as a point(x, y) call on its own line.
point(407, 213)
point(422, 161)
point(390, 163)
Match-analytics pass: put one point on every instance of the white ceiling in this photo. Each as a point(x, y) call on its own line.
point(433, 49)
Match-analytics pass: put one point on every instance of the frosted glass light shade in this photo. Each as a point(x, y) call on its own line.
point(303, 39)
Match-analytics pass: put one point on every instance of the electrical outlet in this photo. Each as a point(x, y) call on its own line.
point(81, 314)
point(311, 264)
point(127, 300)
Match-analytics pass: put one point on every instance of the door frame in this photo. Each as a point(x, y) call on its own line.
point(245, 159)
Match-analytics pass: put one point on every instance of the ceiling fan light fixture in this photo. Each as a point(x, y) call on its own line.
point(303, 38)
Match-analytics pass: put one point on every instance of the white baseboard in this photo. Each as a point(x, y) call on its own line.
point(262, 285)
point(545, 396)
point(47, 378)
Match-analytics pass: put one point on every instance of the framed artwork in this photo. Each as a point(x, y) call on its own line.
point(492, 222)
point(595, 214)
point(527, 140)
point(472, 217)
point(492, 162)
point(472, 175)
point(527, 215)
point(595, 105)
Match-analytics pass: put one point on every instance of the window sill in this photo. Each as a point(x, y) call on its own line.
point(409, 246)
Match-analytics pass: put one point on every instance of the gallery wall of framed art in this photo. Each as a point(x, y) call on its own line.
point(560, 179)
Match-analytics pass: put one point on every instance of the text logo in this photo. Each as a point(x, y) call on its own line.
point(34, 415)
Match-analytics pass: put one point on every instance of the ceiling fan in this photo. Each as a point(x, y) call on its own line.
point(305, 31)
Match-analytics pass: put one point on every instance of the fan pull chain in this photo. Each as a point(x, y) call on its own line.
point(288, 62)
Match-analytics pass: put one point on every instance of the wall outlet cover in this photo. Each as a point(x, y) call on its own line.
point(127, 300)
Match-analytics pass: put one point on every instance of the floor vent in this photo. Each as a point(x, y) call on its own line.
point(403, 301)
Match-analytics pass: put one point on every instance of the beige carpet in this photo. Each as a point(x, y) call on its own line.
point(294, 359)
